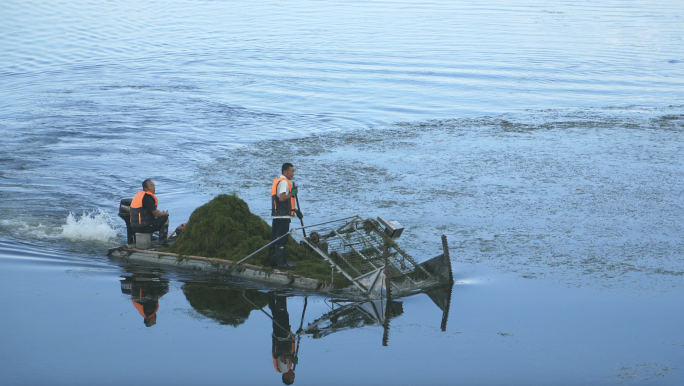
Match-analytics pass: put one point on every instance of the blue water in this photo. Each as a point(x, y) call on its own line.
point(545, 139)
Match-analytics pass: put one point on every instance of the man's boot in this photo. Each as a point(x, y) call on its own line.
point(271, 256)
point(281, 257)
point(163, 233)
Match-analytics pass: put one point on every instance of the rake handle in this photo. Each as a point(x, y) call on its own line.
point(299, 209)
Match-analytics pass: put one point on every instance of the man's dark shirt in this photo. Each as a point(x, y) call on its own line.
point(148, 203)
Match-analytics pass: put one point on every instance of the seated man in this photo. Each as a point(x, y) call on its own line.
point(145, 217)
point(145, 290)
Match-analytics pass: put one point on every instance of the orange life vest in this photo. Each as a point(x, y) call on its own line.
point(275, 360)
point(141, 309)
point(284, 208)
point(141, 217)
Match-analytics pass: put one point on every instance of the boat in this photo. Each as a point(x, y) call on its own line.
point(364, 251)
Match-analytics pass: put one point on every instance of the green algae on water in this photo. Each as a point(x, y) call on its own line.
point(225, 228)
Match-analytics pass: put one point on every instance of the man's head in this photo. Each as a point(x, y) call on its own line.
point(288, 377)
point(288, 170)
point(148, 186)
point(150, 320)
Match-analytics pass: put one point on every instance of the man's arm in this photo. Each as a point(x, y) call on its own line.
point(158, 213)
point(284, 197)
point(148, 203)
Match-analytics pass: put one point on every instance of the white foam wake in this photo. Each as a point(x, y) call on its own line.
point(95, 225)
point(28, 228)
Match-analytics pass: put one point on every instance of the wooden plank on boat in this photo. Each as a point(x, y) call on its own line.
point(220, 266)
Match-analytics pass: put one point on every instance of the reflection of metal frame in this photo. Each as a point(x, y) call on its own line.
point(374, 312)
point(442, 298)
point(353, 315)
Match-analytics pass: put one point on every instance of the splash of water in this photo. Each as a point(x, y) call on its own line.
point(94, 225)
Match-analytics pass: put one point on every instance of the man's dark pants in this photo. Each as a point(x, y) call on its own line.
point(156, 225)
point(279, 226)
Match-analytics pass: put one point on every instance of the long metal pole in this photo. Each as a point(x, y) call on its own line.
point(327, 222)
point(299, 208)
point(259, 250)
point(299, 338)
point(302, 228)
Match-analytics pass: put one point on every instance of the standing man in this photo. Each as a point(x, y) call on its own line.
point(283, 208)
point(145, 217)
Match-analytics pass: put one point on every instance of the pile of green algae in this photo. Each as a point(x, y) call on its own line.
point(225, 228)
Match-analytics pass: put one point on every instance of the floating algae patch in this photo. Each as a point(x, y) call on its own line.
point(225, 228)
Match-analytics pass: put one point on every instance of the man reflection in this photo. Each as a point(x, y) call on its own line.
point(283, 347)
point(145, 290)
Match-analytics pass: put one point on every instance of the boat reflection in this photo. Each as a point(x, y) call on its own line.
point(230, 304)
point(343, 317)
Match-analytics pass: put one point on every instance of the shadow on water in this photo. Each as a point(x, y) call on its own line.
point(232, 304)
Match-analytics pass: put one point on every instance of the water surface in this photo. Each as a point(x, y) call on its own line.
point(544, 139)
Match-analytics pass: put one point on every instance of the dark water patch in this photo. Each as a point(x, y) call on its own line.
point(645, 372)
point(165, 87)
point(671, 122)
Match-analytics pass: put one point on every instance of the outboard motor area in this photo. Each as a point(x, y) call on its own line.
point(125, 214)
